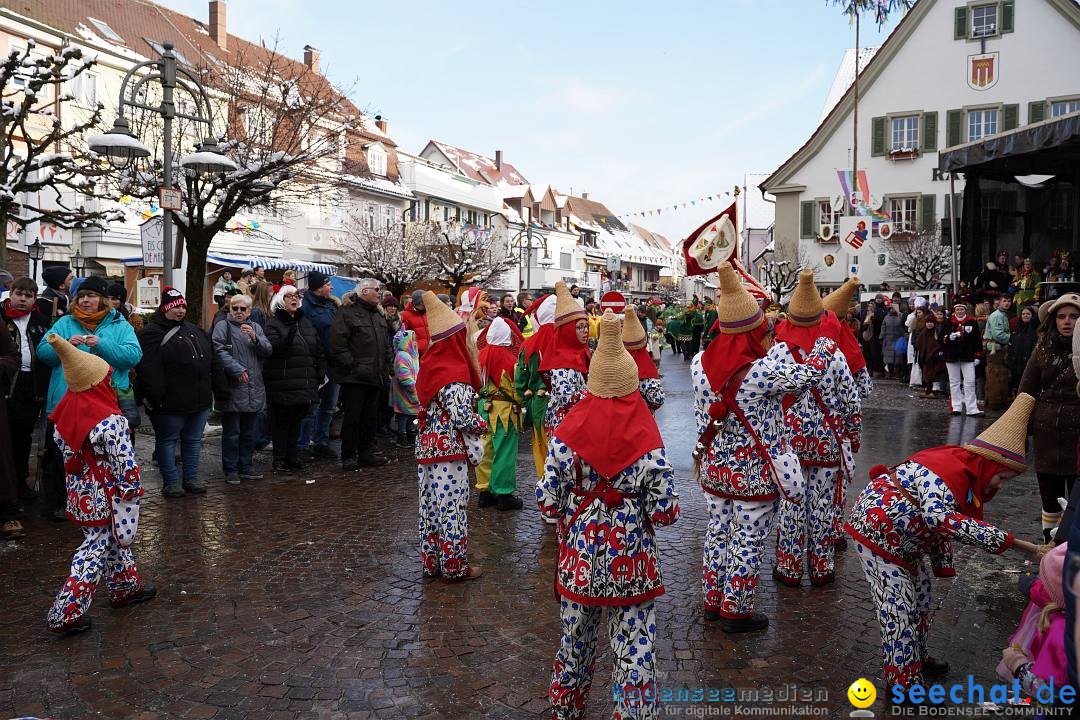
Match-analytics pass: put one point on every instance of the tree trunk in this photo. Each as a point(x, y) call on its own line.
point(3, 242)
point(197, 243)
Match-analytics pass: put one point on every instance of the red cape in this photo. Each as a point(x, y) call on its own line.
point(564, 351)
point(588, 430)
point(446, 361)
point(851, 348)
point(805, 337)
point(646, 368)
point(967, 475)
point(498, 359)
point(727, 354)
point(78, 412)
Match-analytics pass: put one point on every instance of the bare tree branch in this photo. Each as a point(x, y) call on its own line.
point(780, 275)
point(470, 255)
point(919, 258)
point(397, 256)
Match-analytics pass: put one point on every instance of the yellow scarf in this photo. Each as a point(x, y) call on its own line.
point(90, 321)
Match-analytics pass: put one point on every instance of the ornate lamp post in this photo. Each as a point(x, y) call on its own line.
point(36, 252)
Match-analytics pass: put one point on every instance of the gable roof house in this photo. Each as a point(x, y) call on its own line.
point(123, 33)
point(950, 72)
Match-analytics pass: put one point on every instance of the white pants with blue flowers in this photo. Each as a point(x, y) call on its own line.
point(631, 631)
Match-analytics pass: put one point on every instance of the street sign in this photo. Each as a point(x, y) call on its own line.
point(153, 243)
point(613, 301)
point(170, 198)
point(148, 292)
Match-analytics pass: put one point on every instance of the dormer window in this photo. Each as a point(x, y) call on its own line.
point(376, 159)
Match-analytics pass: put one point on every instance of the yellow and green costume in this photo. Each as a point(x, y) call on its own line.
point(528, 382)
point(500, 407)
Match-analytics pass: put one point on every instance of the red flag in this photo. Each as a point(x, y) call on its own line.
point(711, 244)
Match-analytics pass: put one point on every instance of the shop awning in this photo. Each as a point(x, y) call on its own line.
point(1051, 147)
point(254, 261)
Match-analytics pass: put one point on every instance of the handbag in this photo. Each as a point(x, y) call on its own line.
point(868, 332)
point(900, 347)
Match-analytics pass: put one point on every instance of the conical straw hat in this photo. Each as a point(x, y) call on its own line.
point(839, 300)
point(612, 372)
point(82, 370)
point(737, 311)
point(805, 308)
point(633, 334)
point(442, 322)
point(567, 309)
point(1006, 440)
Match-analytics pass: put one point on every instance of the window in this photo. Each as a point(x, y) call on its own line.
point(105, 30)
point(1064, 107)
point(904, 213)
point(371, 218)
point(827, 215)
point(388, 213)
point(258, 124)
point(376, 158)
point(982, 123)
point(1060, 209)
point(984, 20)
point(905, 133)
point(565, 261)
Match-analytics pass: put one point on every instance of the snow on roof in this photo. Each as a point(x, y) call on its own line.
point(479, 167)
point(506, 190)
point(382, 185)
point(845, 75)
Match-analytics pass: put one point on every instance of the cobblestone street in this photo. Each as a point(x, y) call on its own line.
point(279, 599)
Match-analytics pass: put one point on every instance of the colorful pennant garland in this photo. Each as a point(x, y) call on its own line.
point(676, 207)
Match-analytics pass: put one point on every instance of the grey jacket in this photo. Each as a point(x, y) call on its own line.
point(240, 354)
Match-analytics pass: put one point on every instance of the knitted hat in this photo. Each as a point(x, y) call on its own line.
point(82, 370)
point(1005, 441)
point(737, 311)
point(567, 308)
point(612, 371)
point(118, 292)
point(95, 284)
point(633, 334)
point(55, 275)
point(390, 302)
point(171, 298)
point(839, 300)
point(442, 321)
point(805, 308)
point(316, 280)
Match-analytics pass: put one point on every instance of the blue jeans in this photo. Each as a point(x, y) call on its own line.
point(315, 428)
point(188, 429)
point(237, 441)
point(404, 422)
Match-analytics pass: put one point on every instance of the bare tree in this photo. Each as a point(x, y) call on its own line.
point(466, 256)
point(397, 256)
point(780, 275)
point(288, 125)
point(43, 178)
point(920, 258)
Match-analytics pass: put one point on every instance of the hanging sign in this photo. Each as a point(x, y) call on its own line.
point(153, 242)
point(170, 198)
point(148, 292)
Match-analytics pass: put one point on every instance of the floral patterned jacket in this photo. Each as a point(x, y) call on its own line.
point(652, 390)
point(450, 428)
point(822, 419)
point(88, 502)
point(567, 388)
point(919, 518)
point(607, 551)
point(732, 466)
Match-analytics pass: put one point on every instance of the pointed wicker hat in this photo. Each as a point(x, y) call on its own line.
point(633, 334)
point(1006, 440)
point(442, 322)
point(82, 370)
point(567, 309)
point(839, 300)
point(805, 308)
point(737, 311)
point(612, 371)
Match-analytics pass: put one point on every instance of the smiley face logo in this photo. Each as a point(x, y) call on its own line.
point(862, 693)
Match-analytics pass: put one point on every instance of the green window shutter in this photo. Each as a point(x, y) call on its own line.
point(1036, 111)
point(1008, 10)
point(927, 213)
point(1010, 117)
point(877, 136)
point(928, 132)
point(806, 226)
point(954, 121)
point(960, 31)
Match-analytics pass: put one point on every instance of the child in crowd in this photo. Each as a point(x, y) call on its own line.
point(403, 399)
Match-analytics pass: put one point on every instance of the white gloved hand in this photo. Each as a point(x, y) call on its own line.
point(976, 362)
point(954, 336)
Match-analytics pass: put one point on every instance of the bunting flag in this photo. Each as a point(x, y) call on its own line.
point(677, 206)
point(712, 243)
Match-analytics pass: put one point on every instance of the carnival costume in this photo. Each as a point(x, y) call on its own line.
point(564, 361)
point(449, 439)
point(527, 378)
point(608, 483)
point(743, 459)
point(636, 343)
point(905, 521)
point(103, 489)
point(500, 407)
point(822, 423)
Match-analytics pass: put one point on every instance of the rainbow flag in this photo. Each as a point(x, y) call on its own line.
point(860, 183)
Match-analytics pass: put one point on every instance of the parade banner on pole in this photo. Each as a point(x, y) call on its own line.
point(713, 243)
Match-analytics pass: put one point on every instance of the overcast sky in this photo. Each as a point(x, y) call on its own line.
point(641, 104)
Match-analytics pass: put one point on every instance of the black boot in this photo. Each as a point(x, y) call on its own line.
point(934, 668)
point(757, 621)
point(485, 499)
point(508, 502)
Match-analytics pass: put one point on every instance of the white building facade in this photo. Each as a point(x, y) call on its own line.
point(952, 72)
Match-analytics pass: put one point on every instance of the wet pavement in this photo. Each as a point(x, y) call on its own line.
point(279, 599)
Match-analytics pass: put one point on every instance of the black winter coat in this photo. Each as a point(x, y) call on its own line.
point(361, 343)
point(180, 375)
point(36, 328)
point(294, 370)
point(965, 347)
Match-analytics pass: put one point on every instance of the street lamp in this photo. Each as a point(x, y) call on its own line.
point(121, 144)
point(78, 263)
point(526, 252)
point(36, 252)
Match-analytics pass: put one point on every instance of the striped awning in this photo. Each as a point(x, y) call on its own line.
point(254, 261)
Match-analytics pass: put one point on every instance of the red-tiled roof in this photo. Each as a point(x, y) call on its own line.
point(479, 168)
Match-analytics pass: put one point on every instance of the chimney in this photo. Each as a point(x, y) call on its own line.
point(381, 124)
point(498, 160)
point(584, 196)
point(218, 31)
point(311, 58)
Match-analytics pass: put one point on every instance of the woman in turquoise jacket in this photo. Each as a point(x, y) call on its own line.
point(106, 334)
